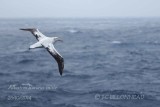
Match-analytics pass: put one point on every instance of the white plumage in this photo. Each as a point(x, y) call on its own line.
point(47, 42)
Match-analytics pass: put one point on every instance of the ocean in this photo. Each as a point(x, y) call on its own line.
point(112, 62)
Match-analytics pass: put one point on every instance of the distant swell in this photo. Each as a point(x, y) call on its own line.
point(25, 61)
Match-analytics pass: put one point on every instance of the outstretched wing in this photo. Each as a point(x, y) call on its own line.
point(57, 57)
point(35, 32)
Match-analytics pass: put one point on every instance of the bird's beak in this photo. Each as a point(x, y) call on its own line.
point(58, 39)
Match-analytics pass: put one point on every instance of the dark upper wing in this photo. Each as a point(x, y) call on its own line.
point(57, 57)
point(35, 32)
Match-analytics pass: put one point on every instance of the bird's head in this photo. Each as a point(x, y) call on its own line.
point(55, 39)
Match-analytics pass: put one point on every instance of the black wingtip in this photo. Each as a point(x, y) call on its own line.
point(24, 29)
point(28, 29)
point(61, 66)
point(61, 72)
point(21, 29)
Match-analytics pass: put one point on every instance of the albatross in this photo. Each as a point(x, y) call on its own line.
point(47, 43)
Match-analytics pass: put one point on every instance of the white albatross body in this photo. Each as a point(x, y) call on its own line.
point(47, 42)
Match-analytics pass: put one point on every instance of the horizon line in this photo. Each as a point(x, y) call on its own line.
point(80, 17)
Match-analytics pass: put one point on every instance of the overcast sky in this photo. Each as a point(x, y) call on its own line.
point(79, 8)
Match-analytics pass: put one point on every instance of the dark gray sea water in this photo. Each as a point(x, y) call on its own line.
point(108, 63)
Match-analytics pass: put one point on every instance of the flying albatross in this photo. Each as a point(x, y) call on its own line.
point(47, 42)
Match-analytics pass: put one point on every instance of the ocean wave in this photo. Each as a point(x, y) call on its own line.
point(152, 42)
point(80, 76)
point(4, 74)
point(26, 61)
point(65, 105)
point(22, 51)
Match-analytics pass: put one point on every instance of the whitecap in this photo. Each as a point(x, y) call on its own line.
point(116, 42)
point(73, 31)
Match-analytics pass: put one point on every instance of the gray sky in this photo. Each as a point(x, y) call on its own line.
point(79, 8)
